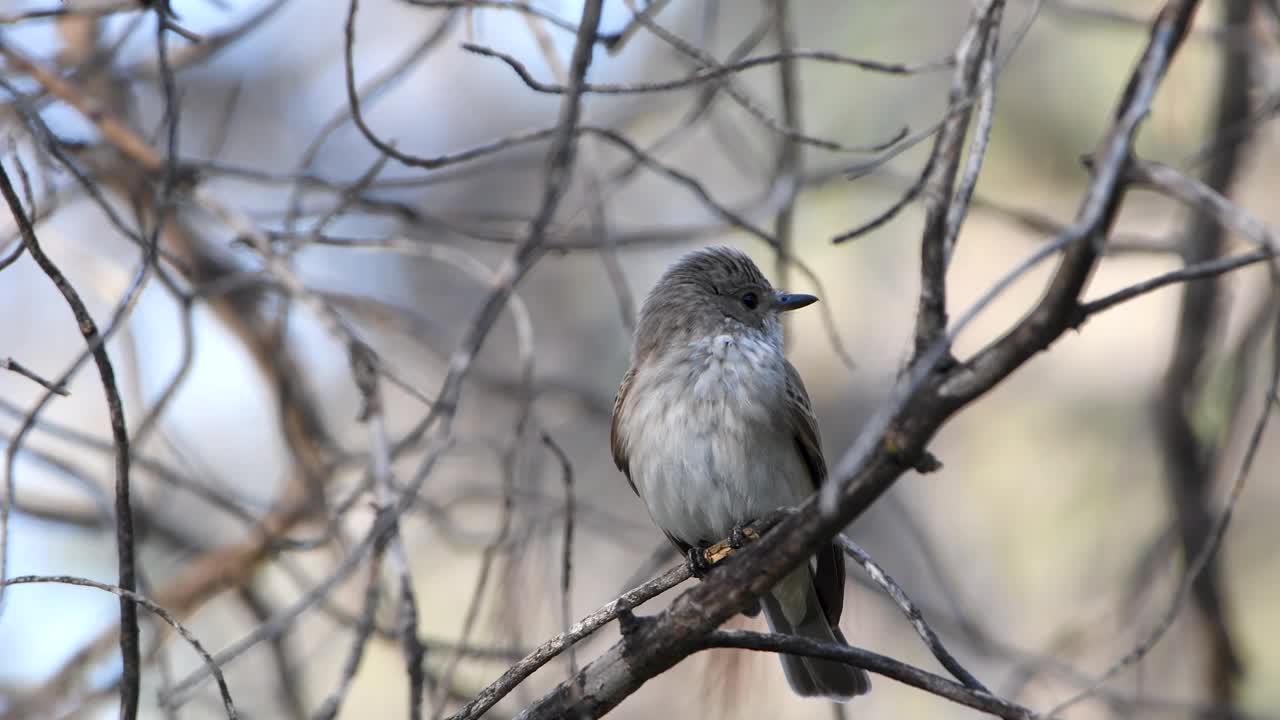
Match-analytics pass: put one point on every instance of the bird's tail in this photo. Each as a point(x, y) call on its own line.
point(792, 608)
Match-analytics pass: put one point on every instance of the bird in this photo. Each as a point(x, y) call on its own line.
point(713, 428)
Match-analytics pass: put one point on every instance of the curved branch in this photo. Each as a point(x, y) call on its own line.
point(134, 598)
point(867, 660)
point(914, 616)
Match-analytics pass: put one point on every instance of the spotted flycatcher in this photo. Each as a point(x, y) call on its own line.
point(713, 428)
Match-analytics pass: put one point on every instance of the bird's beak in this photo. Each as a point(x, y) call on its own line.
point(785, 301)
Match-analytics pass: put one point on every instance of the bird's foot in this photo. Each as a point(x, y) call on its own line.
point(740, 535)
point(702, 558)
point(699, 565)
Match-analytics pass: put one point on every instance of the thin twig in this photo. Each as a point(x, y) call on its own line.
point(751, 106)
point(364, 630)
point(566, 550)
point(152, 607)
point(1190, 273)
point(1204, 199)
point(944, 206)
point(285, 617)
point(789, 165)
point(377, 86)
point(711, 72)
point(548, 650)
point(14, 366)
point(286, 680)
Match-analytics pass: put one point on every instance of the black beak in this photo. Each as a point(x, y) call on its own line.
point(792, 301)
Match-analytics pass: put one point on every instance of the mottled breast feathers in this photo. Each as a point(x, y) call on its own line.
point(800, 421)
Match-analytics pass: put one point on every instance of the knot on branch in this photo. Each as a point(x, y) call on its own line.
point(905, 456)
point(364, 371)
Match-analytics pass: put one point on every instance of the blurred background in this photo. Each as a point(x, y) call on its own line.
point(1051, 543)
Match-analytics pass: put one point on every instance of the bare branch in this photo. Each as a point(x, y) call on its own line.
point(943, 212)
point(152, 607)
point(879, 664)
point(899, 597)
point(566, 552)
point(1191, 273)
point(712, 72)
point(14, 366)
point(1204, 199)
point(95, 341)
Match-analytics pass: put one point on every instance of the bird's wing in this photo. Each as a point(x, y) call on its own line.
point(828, 576)
point(620, 450)
point(803, 425)
point(615, 437)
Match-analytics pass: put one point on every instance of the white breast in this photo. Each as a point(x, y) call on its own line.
point(706, 443)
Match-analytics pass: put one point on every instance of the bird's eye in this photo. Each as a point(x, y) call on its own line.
point(750, 300)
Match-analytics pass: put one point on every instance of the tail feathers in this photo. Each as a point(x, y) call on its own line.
point(793, 598)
